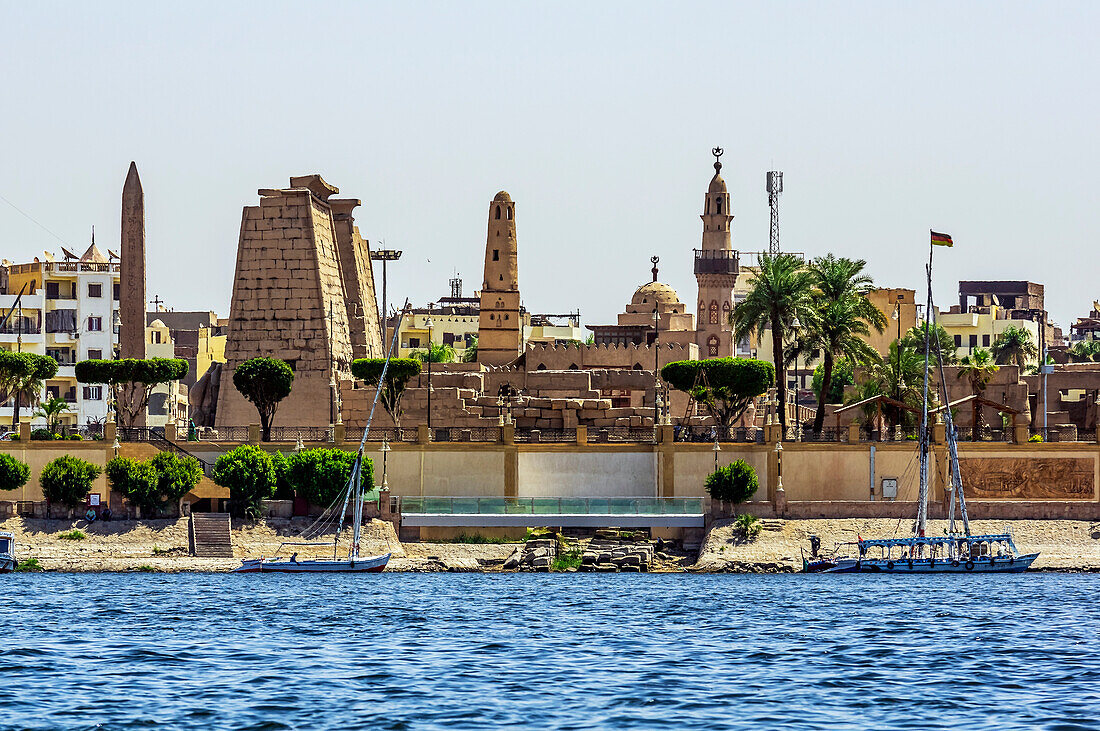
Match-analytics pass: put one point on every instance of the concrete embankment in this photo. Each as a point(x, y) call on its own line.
point(162, 545)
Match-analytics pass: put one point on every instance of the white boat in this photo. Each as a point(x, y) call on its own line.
point(956, 552)
point(7, 552)
point(335, 520)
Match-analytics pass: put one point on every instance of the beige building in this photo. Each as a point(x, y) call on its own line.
point(980, 327)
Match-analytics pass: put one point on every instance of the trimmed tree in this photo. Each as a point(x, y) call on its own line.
point(67, 480)
point(734, 483)
point(136, 481)
point(400, 372)
point(265, 382)
point(21, 377)
point(131, 381)
point(319, 475)
point(13, 472)
point(176, 475)
point(729, 385)
point(249, 474)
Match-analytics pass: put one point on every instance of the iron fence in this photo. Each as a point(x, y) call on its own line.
point(827, 434)
point(1062, 433)
point(698, 434)
point(622, 434)
point(392, 434)
point(305, 433)
point(554, 436)
point(466, 434)
point(982, 434)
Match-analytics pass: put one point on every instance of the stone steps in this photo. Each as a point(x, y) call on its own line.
point(210, 535)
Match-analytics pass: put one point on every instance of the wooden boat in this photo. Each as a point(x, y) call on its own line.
point(957, 552)
point(353, 496)
point(7, 552)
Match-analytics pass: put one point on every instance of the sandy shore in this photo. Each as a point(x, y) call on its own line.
point(162, 545)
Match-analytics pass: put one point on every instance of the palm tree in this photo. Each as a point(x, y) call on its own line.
point(978, 369)
point(51, 410)
point(897, 377)
point(781, 292)
point(1084, 351)
point(436, 353)
point(844, 317)
point(1014, 345)
point(915, 339)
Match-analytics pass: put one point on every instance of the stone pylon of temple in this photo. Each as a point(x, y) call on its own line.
point(716, 266)
point(500, 329)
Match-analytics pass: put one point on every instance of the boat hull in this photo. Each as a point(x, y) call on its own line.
point(7, 565)
point(369, 565)
point(983, 565)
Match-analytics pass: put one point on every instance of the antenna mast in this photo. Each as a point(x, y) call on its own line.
point(775, 187)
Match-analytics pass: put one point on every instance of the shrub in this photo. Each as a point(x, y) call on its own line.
point(137, 481)
point(734, 483)
point(13, 473)
point(319, 475)
point(67, 480)
point(249, 475)
point(566, 560)
point(1035, 438)
point(283, 489)
point(76, 438)
point(73, 535)
point(749, 525)
point(42, 435)
point(176, 475)
point(29, 564)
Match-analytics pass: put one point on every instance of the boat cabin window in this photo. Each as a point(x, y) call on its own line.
point(4, 546)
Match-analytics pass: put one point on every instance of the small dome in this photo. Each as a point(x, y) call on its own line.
point(157, 323)
point(502, 197)
point(717, 185)
point(653, 292)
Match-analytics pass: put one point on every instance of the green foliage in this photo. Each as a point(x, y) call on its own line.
point(283, 489)
point(131, 381)
point(470, 354)
point(176, 474)
point(155, 483)
point(436, 353)
point(749, 525)
point(265, 382)
point(1084, 351)
point(22, 375)
point(914, 340)
point(730, 385)
point(477, 539)
point(42, 435)
point(843, 375)
point(13, 472)
point(734, 483)
point(51, 410)
point(29, 564)
point(781, 292)
point(249, 474)
point(1014, 345)
point(400, 372)
point(567, 560)
point(75, 438)
point(320, 475)
point(898, 376)
point(591, 339)
point(146, 569)
point(73, 535)
point(67, 480)
point(1035, 438)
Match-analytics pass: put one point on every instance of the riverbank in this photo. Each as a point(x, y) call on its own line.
point(162, 545)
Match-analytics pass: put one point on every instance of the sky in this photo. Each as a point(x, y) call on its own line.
point(887, 119)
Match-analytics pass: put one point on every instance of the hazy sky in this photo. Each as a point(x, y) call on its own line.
point(978, 119)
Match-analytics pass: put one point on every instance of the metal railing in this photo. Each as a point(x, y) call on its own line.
point(698, 434)
point(1063, 433)
point(550, 506)
point(983, 434)
point(165, 445)
point(389, 434)
point(305, 433)
point(466, 434)
point(555, 436)
point(622, 435)
point(827, 434)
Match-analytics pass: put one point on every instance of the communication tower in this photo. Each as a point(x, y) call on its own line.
point(456, 287)
point(775, 187)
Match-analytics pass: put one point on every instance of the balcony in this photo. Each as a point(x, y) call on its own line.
point(717, 261)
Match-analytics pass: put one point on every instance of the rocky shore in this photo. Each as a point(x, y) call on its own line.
point(162, 546)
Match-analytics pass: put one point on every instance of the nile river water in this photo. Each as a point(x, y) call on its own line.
point(581, 651)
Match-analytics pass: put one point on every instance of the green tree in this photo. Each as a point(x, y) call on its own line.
point(400, 372)
point(780, 293)
point(436, 353)
point(176, 475)
point(1014, 345)
point(22, 375)
point(978, 369)
point(320, 475)
point(914, 340)
point(131, 381)
point(249, 474)
point(265, 382)
point(283, 489)
point(733, 483)
point(1084, 351)
point(470, 354)
point(51, 410)
point(901, 379)
point(13, 472)
point(729, 386)
point(67, 480)
point(843, 318)
point(843, 375)
point(136, 481)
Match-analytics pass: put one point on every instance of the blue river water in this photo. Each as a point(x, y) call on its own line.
point(578, 651)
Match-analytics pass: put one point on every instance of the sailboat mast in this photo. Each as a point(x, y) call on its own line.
point(922, 500)
point(953, 450)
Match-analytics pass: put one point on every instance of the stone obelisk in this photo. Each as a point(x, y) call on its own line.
point(132, 285)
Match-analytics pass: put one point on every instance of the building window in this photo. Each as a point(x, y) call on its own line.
point(95, 290)
point(498, 213)
point(509, 213)
point(712, 346)
point(985, 341)
point(95, 354)
point(414, 342)
point(95, 324)
point(973, 341)
point(154, 337)
point(958, 341)
point(93, 393)
point(717, 205)
point(713, 312)
point(496, 254)
point(53, 290)
point(115, 288)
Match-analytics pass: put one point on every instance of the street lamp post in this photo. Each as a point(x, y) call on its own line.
point(385, 453)
point(779, 465)
point(385, 255)
point(717, 449)
point(897, 347)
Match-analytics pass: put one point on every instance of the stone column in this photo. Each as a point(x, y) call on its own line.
point(131, 300)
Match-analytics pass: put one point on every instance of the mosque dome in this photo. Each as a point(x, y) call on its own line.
point(158, 323)
point(655, 292)
point(502, 197)
point(717, 185)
